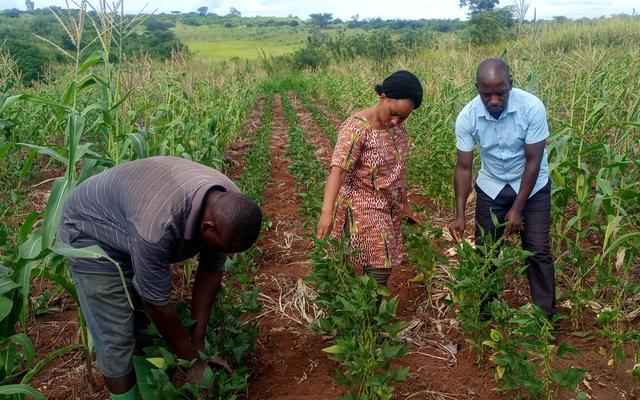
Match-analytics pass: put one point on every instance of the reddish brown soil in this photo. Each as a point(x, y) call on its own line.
point(289, 363)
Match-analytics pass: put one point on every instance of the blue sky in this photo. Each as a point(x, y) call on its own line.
point(405, 9)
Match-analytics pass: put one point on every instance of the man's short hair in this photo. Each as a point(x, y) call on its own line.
point(494, 63)
point(238, 218)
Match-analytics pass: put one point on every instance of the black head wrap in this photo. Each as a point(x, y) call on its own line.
point(402, 85)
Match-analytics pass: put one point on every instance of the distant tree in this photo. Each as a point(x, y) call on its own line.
point(157, 25)
point(322, 19)
point(479, 5)
point(491, 26)
point(203, 10)
point(560, 19)
point(30, 59)
point(176, 12)
point(12, 13)
point(233, 12)
point(29, 4)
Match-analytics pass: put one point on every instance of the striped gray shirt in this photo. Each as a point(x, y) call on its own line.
point(145, 214)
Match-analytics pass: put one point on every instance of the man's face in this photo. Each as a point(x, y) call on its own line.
point(494, 93)
point(215, 241)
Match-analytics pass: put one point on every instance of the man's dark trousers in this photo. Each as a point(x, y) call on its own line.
point(536, 224)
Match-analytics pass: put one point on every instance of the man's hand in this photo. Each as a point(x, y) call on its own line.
point(456, 228)
point(194, 374)
point(513, 221)
point(325, 224)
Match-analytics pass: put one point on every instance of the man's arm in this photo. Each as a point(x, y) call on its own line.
point(167, 320)
point(533, 157)
point(462, 185)
point(205, 289)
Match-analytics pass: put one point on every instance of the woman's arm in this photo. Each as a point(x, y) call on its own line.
point(336, 177)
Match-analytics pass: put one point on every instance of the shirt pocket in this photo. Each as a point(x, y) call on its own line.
point(514, 135)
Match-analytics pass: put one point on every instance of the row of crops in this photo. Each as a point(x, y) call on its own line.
point(594, 116)
point(98, 114)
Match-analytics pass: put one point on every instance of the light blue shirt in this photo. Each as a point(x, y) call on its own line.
point(501, 141)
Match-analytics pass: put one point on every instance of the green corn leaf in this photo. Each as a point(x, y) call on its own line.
point(61, 280)
point(99, 107)
point(49, 357)
point(21, 389)
point(91, 252)
point(27, 226)
point(139, 144)
point(29, 97)
point(90, 61)
point(53, 213)
point(32, 247)
point(75, 126)
point(22, 340)
point(24, 280)
point(46, 151)
point(6, 304)
point(7, 284)
point(605, 186)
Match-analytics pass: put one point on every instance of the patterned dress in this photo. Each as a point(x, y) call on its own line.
point(369, 204)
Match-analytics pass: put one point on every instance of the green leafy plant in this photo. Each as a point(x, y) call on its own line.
point(478, 280)
point(522, 353)
point(366, 334)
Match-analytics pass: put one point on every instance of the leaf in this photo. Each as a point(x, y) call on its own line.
point(605, 186)
point(75, 126)
point(7, 284)
point(27, 226)
point(25, 344)
point(158, 362)
point(46, 151)
point(53, 213)
point(32, 247)
point(47, 359)
point(90, 61)
point(335, 349)
point(6, 304)
point(401, 374)
point(565, 348)
point(139, 144)
point(491, 344)
point(94, 251)
point(29, 97)
point(500, 371)
point(21, 389)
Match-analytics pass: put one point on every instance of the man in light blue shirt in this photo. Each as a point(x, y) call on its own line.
point(510, 127)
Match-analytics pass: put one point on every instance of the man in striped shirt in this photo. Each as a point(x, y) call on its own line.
point(147, 214)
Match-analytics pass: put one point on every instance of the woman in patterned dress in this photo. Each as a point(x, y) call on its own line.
point(364, 197)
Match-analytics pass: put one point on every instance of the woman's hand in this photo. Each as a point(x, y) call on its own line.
point(325, 224)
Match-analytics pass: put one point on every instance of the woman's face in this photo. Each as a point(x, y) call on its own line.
point(393, 112)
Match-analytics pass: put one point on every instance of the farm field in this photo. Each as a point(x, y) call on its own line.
point(292, 313)
point(217, 43)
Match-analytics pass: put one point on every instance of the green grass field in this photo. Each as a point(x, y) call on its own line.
point(217, 43)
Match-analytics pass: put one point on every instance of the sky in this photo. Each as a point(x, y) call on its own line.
point(345, 9)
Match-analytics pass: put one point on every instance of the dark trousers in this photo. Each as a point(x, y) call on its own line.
point(536, 224)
